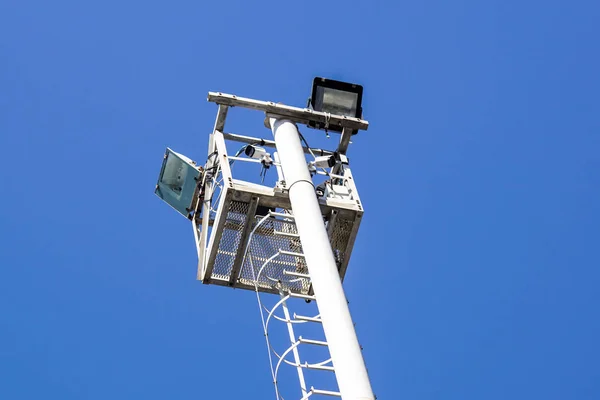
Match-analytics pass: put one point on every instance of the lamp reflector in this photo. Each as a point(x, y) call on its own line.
point(337, 98)
point(178, 182)
point(336, 101)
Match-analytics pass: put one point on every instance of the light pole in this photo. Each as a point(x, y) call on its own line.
point(286, 239)
point(348, 362)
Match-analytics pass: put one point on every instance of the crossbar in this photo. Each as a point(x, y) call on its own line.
point(270, 143)
point(303, 115)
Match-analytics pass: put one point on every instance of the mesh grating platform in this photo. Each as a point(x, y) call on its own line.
point(243, 253)
point(268, 239)
point(239, 247)
point(230, 240)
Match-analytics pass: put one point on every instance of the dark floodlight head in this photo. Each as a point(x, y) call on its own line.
point(178, 182)
point(335, 97)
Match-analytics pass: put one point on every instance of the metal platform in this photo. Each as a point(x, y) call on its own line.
point(238, 246)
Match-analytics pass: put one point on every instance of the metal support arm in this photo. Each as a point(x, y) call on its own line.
point(302, 115)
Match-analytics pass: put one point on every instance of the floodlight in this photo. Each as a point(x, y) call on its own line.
point(178, 182)
point(335, 97)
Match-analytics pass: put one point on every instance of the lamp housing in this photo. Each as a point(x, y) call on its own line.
point(335, 97)
point(178, 182)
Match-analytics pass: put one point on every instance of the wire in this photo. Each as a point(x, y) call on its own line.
point(310, 151)
point(263, 173)
point(306, 143)
point(240, 151)
point(243, 148)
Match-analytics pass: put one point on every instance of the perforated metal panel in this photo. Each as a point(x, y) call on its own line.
point(230, 239)
point(268, 239)
point(248, 255)
point(339, 236)
point(243, 254)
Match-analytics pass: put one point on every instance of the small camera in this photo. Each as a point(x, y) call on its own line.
point(259, 153)
point(320, 190)
point(255, 152)
point(324, 161)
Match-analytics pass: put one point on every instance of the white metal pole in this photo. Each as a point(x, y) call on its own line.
point(350, 369)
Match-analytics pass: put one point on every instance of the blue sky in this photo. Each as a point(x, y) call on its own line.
point(476, 270)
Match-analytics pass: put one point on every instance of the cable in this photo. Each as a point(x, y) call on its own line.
point(306, 143)
point(310, 151)
point(240, 151)
point(243, 148)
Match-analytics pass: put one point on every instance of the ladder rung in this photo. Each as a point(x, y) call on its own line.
point(326, 392)
point(321, 392)
point(319, 367)
point(305, 397)
point(309, 319)
point(276, 214)
point(290, 253)
point(303, 296)
point(310, 341)
point(288, 234)
point(296, 274)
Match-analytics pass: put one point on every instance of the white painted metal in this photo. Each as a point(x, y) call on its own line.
point(318, 367)
point(345, 140)
point(330, 175)
point(303, 296)
point(351, 372)
point(321, 392)
point(307, 319)
point(202, 241)
point(234, 210)
point(311, 341)
point(288, 321)
point(220, 192)
point(296, 274)
point(325, 392)
point(303, 115)
point(280, 176)
point(246, 159)
point(282, 215)
point(286, 234)
point(270, 143)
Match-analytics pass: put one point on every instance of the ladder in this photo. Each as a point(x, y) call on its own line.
point(291, 356)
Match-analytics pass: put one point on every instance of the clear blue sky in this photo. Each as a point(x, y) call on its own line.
point(476, 270)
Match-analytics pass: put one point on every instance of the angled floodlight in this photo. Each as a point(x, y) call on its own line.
point(335, 97)
point(178, 182)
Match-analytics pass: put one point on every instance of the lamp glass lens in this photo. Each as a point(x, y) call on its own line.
point(174, 174)
point(336, 101)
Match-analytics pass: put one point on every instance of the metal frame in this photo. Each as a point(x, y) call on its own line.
point(295, 114)
point(321, 268)
point(255, 195)
point(271, 143)
point(239, 258)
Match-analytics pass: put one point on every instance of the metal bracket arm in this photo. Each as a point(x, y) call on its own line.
point(302, 115)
